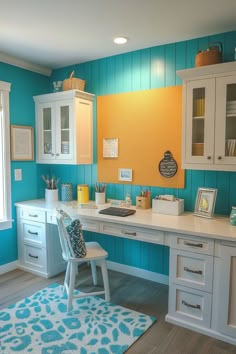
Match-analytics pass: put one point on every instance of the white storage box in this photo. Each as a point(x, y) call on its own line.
point(175, 207)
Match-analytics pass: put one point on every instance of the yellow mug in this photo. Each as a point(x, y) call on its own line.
point(82, 193)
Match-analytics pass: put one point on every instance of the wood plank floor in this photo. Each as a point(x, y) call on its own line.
point(141, 295)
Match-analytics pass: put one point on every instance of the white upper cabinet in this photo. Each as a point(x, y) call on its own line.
point(209, 117)
point(64, 127)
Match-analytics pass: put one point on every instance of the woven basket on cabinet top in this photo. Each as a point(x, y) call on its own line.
point(73, 84)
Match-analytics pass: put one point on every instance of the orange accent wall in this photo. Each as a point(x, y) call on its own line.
point(146, 123)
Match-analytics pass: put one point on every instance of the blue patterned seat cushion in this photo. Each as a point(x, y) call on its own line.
point(74, 230)
point(75, 233)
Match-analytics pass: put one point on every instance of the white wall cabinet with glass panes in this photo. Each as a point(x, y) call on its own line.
point(209, 117)
point(64, 127)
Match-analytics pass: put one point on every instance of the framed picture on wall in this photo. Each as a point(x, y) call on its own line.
point(125, 174)
point(22, 143)
point(205, 202)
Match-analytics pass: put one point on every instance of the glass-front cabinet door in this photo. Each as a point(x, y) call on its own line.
point(64, 124)
point(200, 112)
point(225, 142)
point(47, 126)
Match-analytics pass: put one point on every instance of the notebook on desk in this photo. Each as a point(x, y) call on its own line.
point(114, 211)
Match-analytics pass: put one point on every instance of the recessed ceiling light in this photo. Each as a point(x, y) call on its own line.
point(120, 40)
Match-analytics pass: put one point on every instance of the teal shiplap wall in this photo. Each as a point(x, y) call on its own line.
point(140, 70)
point(143, 69)
point(24, 85)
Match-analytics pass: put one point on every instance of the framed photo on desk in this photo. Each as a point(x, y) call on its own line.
point(205, 202)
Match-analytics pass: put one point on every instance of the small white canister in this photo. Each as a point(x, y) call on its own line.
point(51, 195)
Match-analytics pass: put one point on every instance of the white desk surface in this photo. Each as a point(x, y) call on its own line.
point(217, 228)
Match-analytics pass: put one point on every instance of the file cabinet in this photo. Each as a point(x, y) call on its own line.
point(39, 249)
point(191, 280)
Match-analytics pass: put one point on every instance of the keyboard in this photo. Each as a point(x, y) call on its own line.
point(117, 211)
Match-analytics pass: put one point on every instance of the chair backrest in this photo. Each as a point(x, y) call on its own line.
point(64, 237)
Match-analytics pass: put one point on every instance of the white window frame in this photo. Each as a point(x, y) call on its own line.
point(5, 163)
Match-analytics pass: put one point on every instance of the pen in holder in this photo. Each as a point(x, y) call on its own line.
point(143, 202)
point(100, 197)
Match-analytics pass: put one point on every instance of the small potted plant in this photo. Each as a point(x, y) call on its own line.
point(51, 190)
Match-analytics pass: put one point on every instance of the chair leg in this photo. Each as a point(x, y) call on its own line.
point(67, 276)
point(105, 280)
point(94, 272)
point(71, 286)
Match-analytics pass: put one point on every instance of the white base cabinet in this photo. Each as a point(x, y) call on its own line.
point(224, 305)
point(202, 286)
point(190, 287)
point(39, 249)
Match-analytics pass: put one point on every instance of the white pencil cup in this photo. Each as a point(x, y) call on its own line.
point(51, 195)
point(100, 198)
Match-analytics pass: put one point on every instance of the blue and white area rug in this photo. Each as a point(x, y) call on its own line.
point(41, 324)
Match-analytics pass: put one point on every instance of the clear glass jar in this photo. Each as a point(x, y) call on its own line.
point(233, 216)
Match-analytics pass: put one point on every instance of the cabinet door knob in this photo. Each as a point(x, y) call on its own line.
point(208, 157)
point(219, 157)
point(52, 154)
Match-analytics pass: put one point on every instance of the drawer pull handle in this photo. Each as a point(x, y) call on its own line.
point(129, 233)
point(198, 307)
point(200, 245)
point(32, 233)
point(33, 215)
point(193, 271)
point(30, 255)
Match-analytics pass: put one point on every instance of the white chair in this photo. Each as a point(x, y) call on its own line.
point(96, 255)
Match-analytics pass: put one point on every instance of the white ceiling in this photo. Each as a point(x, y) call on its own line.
point(58, 33)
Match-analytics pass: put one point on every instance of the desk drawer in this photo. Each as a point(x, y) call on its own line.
point(33, 214)
point(89, 225)
point(190, 305)
point(34, 257)
point(130, 232)
point(192, 243)
point(193, 270)
point(34, 233)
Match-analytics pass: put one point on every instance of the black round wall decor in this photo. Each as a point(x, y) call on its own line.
point(168, 166)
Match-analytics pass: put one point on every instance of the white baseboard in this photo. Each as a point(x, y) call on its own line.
point(122, 268)
point(203, 330)
point(137, 272)
point(8, 267)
